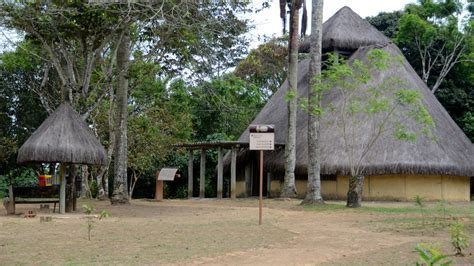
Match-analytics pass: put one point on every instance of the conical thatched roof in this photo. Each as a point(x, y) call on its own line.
point(451, 154)
point(346, 30)
point(63, 137)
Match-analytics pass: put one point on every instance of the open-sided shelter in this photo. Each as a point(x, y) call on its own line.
point(63, 138)
point(396, 170)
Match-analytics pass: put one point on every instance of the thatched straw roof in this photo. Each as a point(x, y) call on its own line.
point(63, 137)
point(451, 154)
point(346, 30)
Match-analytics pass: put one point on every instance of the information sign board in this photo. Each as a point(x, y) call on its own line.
point(262, 141)
point(167, 174)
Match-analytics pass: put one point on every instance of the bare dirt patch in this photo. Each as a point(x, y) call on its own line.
point(219, 232)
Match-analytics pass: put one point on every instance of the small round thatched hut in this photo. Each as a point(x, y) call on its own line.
point(397, 170)
point(63, 138)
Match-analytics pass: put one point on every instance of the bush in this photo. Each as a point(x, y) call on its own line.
point(459, 239)
point(94, 189)
point(24, 177)
point(3, 186)
point(430, 255)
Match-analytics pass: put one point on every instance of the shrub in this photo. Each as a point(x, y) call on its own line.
point(94, 189)
point(459, 238)
point(3, 186)
point(430, 255)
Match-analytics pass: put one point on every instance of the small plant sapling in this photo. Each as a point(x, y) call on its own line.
point(459, 238)
point(430, 255)
point(420, 202)
point(441, 209)
point(91, 216)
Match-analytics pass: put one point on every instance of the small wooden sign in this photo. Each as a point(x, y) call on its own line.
point(167, 174)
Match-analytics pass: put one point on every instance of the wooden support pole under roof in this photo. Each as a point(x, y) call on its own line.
point(190, 173)
point(202, 178)
point(220, 171)
point(62, 190)
point(233, 172)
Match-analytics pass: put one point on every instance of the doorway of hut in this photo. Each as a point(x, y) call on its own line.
point(256, 176)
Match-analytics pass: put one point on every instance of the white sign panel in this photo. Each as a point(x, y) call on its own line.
point(262, 141)
point(167, 174)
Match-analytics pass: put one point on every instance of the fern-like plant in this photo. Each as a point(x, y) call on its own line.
point(429, 255)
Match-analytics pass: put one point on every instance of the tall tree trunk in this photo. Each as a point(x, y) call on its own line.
point(313, 193)
point(289, 188)
point(103, 177)
point(120, 192)
point(85, 188)
point(354, 195)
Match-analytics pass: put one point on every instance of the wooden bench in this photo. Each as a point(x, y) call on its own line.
point(31, 195)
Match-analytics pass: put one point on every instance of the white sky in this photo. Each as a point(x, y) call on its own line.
point(268, 22)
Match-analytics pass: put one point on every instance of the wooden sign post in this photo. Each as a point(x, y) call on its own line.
point(262, 137)
point(166, 174)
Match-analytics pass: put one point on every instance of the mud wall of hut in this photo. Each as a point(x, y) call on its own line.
point(386, 188)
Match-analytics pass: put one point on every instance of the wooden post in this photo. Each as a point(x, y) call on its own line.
point(190, 173)
point(159, 188)
point(62, 190)
point(202, 178)
point(220, 172)
point(260, 190)
point(233, 172)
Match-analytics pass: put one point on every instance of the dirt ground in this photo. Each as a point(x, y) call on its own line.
point(217, 232)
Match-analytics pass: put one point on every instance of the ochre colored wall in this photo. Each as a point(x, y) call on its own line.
point(386, 187)
point(392, 187)
point(455, 187)
point(240, 189)
point(275, 188)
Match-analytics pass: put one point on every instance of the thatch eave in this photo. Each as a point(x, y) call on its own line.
point(63, 138)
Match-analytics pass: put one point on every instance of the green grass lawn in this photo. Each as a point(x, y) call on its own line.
point(433, 217)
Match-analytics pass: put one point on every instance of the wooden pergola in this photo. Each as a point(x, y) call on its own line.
point(233, 146)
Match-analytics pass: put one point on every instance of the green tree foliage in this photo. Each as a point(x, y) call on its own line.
point(387, 22)
point(21, 110)
point(427, 33)
point(266, 66)
point(176, 44)
point(226, 105)
point(158, 119)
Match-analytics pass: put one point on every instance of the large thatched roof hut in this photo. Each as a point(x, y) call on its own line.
point(396, 169)
point(63, 137)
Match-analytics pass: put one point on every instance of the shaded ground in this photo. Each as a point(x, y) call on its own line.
point(227, 232)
